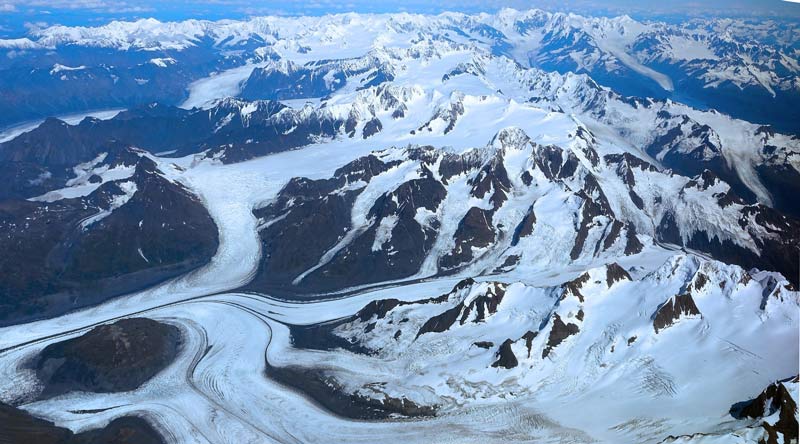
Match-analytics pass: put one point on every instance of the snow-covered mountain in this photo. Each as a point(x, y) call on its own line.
point(604, 330)
point(744, 68)
point(452, 228)
point(512, 206)
point(120, 225)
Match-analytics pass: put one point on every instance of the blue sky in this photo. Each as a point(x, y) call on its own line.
point(17, 16)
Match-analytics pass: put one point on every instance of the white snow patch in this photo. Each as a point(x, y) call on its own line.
point(128, 188)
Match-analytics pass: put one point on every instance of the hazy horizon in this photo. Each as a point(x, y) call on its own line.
point(19, 17)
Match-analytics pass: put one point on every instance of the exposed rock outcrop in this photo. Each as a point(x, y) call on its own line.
point(505, 356)
point(110, 358)
point(774, 399)
point(19, 426)
point(675, 308)
point(558, 333)
point(126, 235)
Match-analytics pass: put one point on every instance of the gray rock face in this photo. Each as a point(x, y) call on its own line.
point(505, 356)
point(776, 398)
point(483, 306)
point(615, 273)
point(474, 230)
point(675, 308)
point(312, 216)
point(558, 333)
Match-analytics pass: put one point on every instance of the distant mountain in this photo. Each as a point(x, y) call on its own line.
point(747, 69)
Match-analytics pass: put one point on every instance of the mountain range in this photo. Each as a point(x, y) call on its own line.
point(432, 228)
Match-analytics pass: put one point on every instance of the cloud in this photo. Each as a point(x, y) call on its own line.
point(181, 9)
point(35, 26)
point(97, 6)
